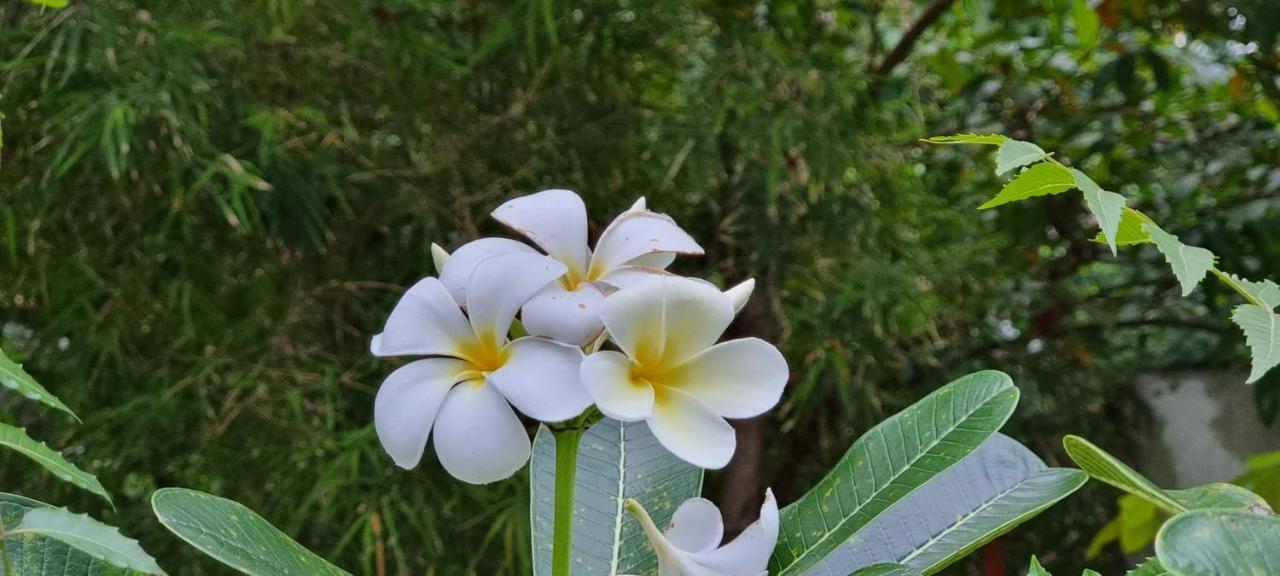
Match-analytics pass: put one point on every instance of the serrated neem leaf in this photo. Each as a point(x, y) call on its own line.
point(1040, 180)
point(888, 463)
point(887, 569)
point(1266, 291)
point(14, 377)
point(1262, 332)
point(1220, 543)
point(87, 535)
point(1107, 468)
point(1190, 263)
point(1036, 569)
point(35, 554)
point(1130, 231)
point(989, 139)
point(231, 533)
point(1149, 567)
point(1016, 154)
point(17, 439)
point(1107, 207)
point(994, 489)
point(616, 461)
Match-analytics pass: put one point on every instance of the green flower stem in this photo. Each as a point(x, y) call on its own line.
point(567, 442)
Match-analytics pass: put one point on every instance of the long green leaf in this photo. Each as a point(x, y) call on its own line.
point(1220, 543)
point(1189, 263)
point(616, 461)
point(888, 463)
point(231, 533)
point(1262, 332)
point(36, 554)
point(14, 377)
point(87, 535)
point(17, 439)
point(887, 569)
point(1040, 180)
point(988, 139)
point(1016, 154)
point(1107, 207)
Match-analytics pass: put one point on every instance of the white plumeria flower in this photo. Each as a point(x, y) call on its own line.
point(465, 390)
point(636, 242)
point(673, 375)
point(691, 544)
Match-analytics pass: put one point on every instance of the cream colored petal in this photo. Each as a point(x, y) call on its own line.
point(501, 285)
point(568, 316)
point(748, 554)
point(606, 376)
point(555, 220)
point(426, 321)
point(637, 234)
point(691, 430)
point(458, 267)
point(737, 379)
point(663, 323)
point(407, 404)
point(630, 276)
point(696, 526)
point(541, 379)
point(741, 294)
point(478, 437)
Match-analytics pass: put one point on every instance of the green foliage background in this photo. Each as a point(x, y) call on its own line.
point(206, 208)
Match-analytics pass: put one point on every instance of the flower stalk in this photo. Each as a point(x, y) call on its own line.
point(567, 442)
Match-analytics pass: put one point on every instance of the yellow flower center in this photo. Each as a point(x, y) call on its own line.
point(485, 355)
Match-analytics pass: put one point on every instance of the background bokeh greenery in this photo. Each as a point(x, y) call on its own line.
point(206, 209)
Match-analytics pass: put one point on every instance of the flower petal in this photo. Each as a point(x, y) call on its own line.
point(556, 220)
point(691, 430)
point(737, 379)
point(636, 234)
point(607, 377)
point(425, 321)
point(748, 554)
point(570, 316)
point(501, 285)
point(696, 526)
point(541, 379)
point(407, 404)
point(478, 437)
point(632, 275)
point(663, 323)
point(741, 293)
point(458, 267)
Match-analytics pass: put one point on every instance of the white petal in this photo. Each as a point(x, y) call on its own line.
point(691, 430)
point(635, 234)
point(541, 379)
point(663, 323)
point(632, 275)
point(439, 257)
point(737, 379)
point(638, 206)
point(568, 316)
point(671, 560)
point(696, 526)
point(556, 220)
point(657, 260)
point(748, 554)
point(501, 285)
point(607, 377)
point(407, 404)
point(478, 437)
point(425, 321)
point(741, 293)
point(458, 267)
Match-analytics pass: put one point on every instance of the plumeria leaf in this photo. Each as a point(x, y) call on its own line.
point(1040, 180)
point(887, 464)
point(1262, 332)
point(989, 492)
point(1016, 154)
point(1107, 207)
point(616, 461)
point(1190, 264)
point(12, 376)
point(1130, 231)
point(989, 139)
point(1149, 567)
point(31, 553)
point(1220, 542)
point(86, 535)
point(231, 533)
point(887, 569)
point(18, 440)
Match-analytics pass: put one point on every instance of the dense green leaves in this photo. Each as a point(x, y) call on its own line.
point(87, 535)
point(1220, 543)
point(1107, 207)
point(17, 439)
point(888, 463)
point(616, 461)
point(12, 376)
point(1016, 154)
point(1262, 332)
point(235, 535)
point(1190, 263)
point(1040, 180)
point(989, 139)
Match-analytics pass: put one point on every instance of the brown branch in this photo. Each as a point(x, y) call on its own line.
point(903, 49)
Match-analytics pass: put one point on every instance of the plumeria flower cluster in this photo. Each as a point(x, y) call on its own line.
point(667, 370)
